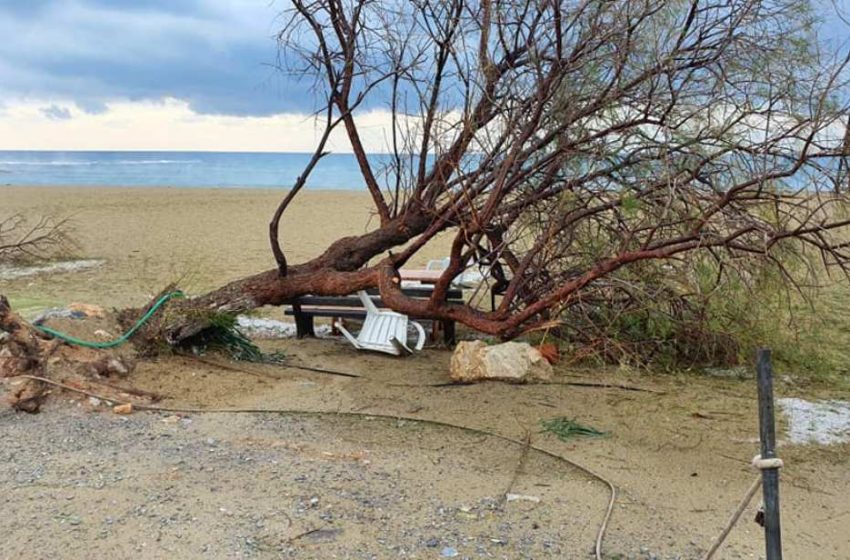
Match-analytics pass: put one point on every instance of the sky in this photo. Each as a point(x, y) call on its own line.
point(153, 75)
point(161, 75)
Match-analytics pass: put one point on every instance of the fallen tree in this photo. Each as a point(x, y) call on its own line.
point(558, 142)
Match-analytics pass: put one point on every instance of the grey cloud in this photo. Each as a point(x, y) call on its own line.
point(56, 113)
point(215, 54)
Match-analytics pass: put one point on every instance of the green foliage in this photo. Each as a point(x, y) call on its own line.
point(567, 428)
point(701, 313)
point(223, 335)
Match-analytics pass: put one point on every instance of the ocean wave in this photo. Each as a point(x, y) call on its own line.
point(101, 162)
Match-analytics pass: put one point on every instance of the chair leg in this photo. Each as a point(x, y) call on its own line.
point(354, 342)
point(436, 327)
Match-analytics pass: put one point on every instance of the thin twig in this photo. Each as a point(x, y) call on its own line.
point(244, 369)
point(715, 546)
point(571, 383)
point(518, 470)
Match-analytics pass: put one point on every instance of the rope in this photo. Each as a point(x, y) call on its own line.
point(762, 464)
point(757, 463)
point(600, 534)
point(121, 339)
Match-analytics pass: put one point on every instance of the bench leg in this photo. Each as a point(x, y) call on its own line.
point(435, 331)
point(448, 333)
point(303, 323)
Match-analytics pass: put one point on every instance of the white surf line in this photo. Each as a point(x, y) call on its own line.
point(9, 272)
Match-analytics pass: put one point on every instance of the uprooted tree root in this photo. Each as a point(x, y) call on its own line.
point(26, 353)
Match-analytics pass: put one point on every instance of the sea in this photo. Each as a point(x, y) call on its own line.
point(179, 169)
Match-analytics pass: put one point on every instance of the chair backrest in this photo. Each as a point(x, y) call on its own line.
point(380, 327)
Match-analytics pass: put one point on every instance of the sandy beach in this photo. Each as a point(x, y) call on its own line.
point(198, 238)
point(165, 485)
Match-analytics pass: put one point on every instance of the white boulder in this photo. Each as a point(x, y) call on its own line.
point(516, 362)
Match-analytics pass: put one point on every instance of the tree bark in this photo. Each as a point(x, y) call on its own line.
point(338, 271)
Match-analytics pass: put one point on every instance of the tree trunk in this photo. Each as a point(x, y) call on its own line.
point(338, 271)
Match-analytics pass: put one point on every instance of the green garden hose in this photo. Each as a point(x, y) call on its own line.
point(121, 339)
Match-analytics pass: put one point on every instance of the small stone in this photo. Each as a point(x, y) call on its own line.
point(433, 542)
point(126, 408)
point(522, 498)
point(117, 366)
point(103, 335)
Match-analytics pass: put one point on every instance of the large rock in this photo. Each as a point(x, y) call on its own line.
point(516, 362)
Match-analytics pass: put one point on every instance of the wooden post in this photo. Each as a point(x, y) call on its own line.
point(769, 476)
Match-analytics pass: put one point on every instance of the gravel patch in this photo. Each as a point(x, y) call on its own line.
point(82, 485)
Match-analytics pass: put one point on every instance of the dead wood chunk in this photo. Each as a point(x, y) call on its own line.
point(550, 352)
point(108, 366)
point(12, 365)
point(28, 396)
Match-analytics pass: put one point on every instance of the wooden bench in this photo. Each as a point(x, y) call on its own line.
point(306, 308)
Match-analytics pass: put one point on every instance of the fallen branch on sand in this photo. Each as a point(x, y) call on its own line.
point(569, 383)
point(243, 369)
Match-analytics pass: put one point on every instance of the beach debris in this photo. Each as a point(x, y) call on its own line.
point(107, 366)
point(88, 310)
point(550, 352)
point(103, 335)
point(9, 272)
point(126, 408)
point(566, 428)
point(449, 552)
point(522, 498)
point(256, 327)
point(516, 362)
point(324, 535)
point(57, 313)
point(824, 422)
point(73, 311)
point(259, 328)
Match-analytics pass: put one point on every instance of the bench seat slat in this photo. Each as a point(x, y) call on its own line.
point(350, 307)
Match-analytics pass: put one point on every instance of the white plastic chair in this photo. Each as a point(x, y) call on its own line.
point(383, 331)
